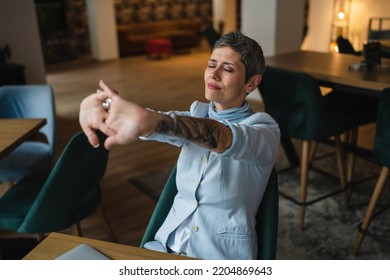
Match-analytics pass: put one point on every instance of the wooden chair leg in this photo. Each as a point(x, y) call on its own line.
point(304, 179)
point(371, 207)
point(341, 168)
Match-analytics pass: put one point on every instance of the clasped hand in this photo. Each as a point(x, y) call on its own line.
point(123, 123)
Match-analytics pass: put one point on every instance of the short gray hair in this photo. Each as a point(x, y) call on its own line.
point(251, 53)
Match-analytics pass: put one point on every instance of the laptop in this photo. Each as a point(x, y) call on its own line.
point(83, 252)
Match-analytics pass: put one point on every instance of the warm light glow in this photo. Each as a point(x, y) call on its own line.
point(340, 22)
point(341, 15)
point(333, 47)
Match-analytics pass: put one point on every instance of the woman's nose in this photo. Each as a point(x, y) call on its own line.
point(215, 74)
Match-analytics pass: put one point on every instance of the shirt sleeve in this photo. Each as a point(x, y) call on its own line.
point(255, 140)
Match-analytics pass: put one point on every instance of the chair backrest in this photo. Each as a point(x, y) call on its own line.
point(379, 34)
point(162, 208)
point(266, 218)
point(72, 190)
point(30, 101)
point(295, 101)
point(382, 135)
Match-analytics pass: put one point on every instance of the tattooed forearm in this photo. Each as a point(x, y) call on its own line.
point(208, 133)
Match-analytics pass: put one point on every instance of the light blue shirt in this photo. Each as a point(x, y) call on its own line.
point(219, 193)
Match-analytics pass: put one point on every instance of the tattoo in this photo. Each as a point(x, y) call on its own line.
point(208, 133)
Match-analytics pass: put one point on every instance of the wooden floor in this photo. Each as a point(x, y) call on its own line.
point(172, 83)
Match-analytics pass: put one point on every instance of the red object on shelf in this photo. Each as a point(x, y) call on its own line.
point(159, 47)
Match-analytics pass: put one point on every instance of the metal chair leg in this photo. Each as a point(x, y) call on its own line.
point(107, 224)
point(352, 141)
point(76, 229)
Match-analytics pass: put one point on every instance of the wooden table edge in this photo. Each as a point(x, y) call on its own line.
point(56, 244)
point(24, 137)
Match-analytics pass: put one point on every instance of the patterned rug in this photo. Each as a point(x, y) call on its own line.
point(331, 229)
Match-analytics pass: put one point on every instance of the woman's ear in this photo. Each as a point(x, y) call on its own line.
point(253, 83)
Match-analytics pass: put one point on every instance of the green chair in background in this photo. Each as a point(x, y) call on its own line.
point(382, 154)
point(32, 157)
point(70, 193)
point(359, 103)
point(295, 101)
point(267, 216)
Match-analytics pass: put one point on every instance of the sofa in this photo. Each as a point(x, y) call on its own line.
point(184, 34)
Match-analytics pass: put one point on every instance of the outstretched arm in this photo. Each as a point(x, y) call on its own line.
point(207, 133)
point(127, 121)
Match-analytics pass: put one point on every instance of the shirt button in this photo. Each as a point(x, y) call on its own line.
point(194, 202)
point(204, 159)
point(194, 228)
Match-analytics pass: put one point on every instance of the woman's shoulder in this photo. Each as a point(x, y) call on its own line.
point(199, 109)
point(260, 117)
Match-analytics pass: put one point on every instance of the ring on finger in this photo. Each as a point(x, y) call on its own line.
point(107, 103)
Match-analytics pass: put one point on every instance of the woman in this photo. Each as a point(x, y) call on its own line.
point(227, 153)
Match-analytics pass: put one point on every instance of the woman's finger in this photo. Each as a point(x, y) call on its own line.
point(107, 89)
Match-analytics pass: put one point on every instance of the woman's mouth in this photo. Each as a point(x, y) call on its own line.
point(213, 86)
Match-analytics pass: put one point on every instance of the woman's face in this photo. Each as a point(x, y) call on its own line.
point(224, 79)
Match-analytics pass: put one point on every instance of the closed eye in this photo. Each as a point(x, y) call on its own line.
point(227, 66)
point(211, 64)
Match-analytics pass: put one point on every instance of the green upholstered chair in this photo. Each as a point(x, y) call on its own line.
point(70, 193)
point(267, 216)
point(363, 107)
point(295, 101)
point(31, 157)
point(382, 154)
point(357, 104)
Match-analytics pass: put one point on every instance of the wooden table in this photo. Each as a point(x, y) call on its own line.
point(14, 132)
point(57, 244)
point(332, 70)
